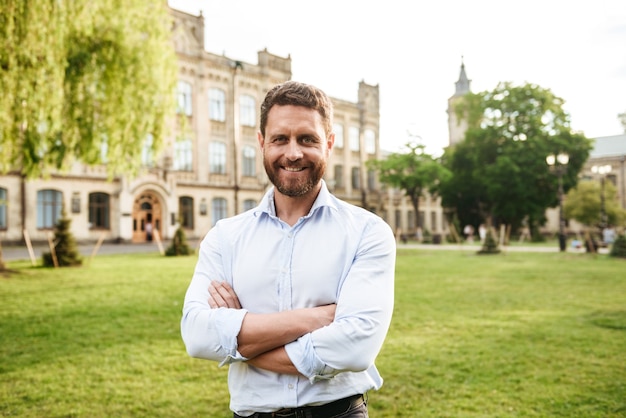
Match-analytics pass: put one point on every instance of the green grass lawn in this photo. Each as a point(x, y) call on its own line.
point(512, 335)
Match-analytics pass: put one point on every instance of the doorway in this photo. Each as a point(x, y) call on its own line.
point(147, 217)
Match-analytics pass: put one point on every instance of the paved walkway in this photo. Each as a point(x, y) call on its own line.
point(10, 253)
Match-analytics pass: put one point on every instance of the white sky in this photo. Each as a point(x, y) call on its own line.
point(413, 49)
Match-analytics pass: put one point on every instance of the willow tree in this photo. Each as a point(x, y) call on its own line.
point(83, 81)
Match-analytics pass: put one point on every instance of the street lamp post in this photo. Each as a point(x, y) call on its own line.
point(603, 170)
point(559, 161)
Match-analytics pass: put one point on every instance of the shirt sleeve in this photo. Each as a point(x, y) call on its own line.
point(210, 333)
point(364, 309)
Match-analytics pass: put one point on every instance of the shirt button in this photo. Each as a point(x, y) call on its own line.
point(290, 386)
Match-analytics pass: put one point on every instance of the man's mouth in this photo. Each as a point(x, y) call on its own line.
point(293, 169)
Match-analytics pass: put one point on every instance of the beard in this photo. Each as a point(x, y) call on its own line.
point(294, 187)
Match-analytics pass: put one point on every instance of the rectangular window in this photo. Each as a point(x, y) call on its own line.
point(249, 161)
point(184, 98)
point(217, 158)
point(218, 206)
point(356, 178)
point(338, 130)
point(183, 155)
point(247, 110)
point(217, 105)
point(249, 204)
point(3, 208)
point(371, 180)
point(49, 208)
point(339, 176)
point(370, 141)
point(398, 215)
point(353, 134)
point(99, 211)
point(185, 210)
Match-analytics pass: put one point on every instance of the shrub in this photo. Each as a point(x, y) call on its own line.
point(179, 244)
point(619, 247)
point(65, 248)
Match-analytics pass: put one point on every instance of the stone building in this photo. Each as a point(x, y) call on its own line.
point(212, 169)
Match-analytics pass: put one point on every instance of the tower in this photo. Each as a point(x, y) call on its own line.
point(457, 126)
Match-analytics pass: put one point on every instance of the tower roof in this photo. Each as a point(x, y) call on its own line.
point(463, 83)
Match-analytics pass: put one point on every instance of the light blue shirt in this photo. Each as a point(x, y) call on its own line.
point(338, 253)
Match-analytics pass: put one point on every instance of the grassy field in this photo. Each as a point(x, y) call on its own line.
point(513, 335)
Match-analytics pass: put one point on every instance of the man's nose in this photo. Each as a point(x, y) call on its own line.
point(293, 152)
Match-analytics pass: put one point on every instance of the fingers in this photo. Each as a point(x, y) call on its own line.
point(223, 296)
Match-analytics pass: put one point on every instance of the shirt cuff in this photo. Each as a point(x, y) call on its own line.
point(302, 354)
point(231, 320)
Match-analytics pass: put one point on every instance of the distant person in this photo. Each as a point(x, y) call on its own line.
point(468, 231)
point(149, 231)
point(482, 232)
point(296, 295)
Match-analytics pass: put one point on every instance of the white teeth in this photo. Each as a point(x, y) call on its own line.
point(294, 169)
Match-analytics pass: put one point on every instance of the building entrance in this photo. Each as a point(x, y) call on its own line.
point(147, 217)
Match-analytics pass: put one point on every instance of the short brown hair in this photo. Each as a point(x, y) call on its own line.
point(298, 94)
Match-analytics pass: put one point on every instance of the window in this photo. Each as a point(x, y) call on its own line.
point(184, 98)
point(49, 208)
point(433, 221)
point(398, 216)
point(410, 217)
point(185, 210)
point(247, 110)
point(338, 130)
point(353, 134)
point(147, 156)
point(218, 211)
point(249, 204)
point(3, 208)
point(217, 158)
point(370, 141)
point(371, 180)
point(99, 211)
point(183, 155)
point(356, 178)
point(249, 161)
point(217, 105)
point(339, 176)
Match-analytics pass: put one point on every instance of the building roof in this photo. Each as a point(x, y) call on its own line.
point(609, 146)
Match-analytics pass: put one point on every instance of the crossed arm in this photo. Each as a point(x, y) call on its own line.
point(263, 336)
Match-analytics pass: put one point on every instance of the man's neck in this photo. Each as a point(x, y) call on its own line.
point(290, 209)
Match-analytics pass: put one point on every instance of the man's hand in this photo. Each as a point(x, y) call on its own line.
point(223, 296)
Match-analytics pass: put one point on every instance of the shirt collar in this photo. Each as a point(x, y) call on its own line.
point(324, 198)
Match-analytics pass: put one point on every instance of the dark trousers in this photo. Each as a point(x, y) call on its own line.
point(353, 407)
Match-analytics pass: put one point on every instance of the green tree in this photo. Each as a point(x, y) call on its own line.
point(413, 172)
point(499, 171)
point(584, 204)
point(86, 81)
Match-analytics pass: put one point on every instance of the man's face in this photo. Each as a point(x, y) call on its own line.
point(295, 149)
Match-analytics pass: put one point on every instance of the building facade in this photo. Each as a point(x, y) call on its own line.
point(212, 168)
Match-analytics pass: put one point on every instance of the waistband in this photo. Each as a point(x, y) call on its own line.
point(322, 411)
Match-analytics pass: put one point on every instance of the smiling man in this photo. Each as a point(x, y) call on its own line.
point(296, 295)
